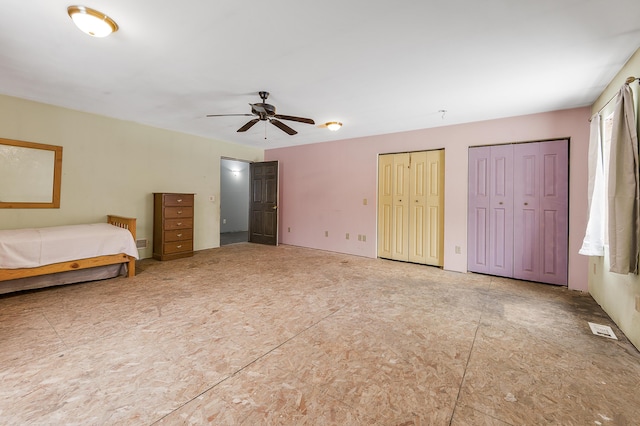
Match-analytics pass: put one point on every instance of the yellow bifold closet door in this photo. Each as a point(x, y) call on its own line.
point(411, 207)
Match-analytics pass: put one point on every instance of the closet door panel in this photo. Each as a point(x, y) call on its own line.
point(541, 211)
point(400, 237)
point(501, 211)
point(385, 205)
point(418, 235)
point(478, 210)
point(526, 245)
point(554, 207)
point(434, 237)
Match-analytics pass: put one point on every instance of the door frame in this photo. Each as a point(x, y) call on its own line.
point(247, 193)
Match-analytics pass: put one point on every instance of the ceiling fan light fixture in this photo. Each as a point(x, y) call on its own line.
point(92, 22)
point(333, 125)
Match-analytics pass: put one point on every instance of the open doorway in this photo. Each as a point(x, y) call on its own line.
point(234, 201)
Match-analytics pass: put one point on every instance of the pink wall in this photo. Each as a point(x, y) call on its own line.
point(322, 186)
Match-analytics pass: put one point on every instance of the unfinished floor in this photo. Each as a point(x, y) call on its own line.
point(252, 335)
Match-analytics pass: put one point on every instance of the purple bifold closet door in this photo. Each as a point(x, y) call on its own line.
point(541, 189)
point(518, 211)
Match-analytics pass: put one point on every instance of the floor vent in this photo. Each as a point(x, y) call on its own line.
point(602, 330)
point(141, 244)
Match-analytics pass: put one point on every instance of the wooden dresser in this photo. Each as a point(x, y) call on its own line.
point(172, 225)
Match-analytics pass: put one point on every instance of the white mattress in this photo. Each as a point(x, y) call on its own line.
point(32, 247)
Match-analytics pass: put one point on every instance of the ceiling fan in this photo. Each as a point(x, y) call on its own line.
point(266, 112)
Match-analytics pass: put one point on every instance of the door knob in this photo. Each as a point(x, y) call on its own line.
point(526, 204)
point(275, 207)
point(500, 203)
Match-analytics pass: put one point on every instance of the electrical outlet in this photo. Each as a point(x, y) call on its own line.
point(347, 235)
point(364, 238)
point(326, 233)
point(458, 250)
point(289, 229)
point(364, 202)
point(359, 237)
point(224, 221)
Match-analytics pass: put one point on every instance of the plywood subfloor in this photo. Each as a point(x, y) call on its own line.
point(250, 335)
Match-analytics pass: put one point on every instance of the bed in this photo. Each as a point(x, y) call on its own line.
point(42, 257)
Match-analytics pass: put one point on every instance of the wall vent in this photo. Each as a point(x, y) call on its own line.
point(142, 244)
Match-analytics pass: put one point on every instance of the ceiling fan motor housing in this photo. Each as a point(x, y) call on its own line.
point(263, 110)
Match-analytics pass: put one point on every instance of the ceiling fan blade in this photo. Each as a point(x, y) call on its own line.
point(247, 126)
point(292, 118)
point(280, 125)
point(229, 115)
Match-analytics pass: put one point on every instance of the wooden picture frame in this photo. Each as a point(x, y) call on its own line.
point(30, 175)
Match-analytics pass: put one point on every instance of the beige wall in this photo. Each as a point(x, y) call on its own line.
point(112, 167)
point(614, 292)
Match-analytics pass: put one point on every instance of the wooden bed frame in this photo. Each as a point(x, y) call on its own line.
point(119, 221)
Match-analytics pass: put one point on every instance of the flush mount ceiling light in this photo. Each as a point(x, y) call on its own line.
point(333, 125)
point(92, 22)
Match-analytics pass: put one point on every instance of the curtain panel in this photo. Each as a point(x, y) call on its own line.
point(593, 243)
point(623, 187)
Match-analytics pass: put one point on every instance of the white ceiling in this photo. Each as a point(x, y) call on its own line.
point(377, 66)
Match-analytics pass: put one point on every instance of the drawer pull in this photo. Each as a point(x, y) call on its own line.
point(179, 235)
point(179, 223)
point(179, 200)
point(180, 246)
point(179, 211)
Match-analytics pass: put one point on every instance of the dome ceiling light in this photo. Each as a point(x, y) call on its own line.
point(333, 125)
point(92, 22)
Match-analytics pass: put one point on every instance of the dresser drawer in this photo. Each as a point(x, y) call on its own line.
point(178, 199)
point(175, 212)
point(184, 223)
point(177, 247)
point(178, 235)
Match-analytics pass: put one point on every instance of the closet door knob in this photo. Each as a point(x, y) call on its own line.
point(500, 203)
point(526, 204)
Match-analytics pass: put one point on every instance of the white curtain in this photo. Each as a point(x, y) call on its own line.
point(624, 189)
point(593, 243)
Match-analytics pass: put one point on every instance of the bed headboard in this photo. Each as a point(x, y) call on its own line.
point(123, 222)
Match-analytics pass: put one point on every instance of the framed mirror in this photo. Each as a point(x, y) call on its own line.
point(30, 175)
